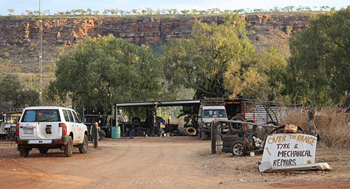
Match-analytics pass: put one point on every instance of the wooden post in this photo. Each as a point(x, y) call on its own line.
point(243, 109)
point(311, 122)
point(94, 134)
point(213, 137)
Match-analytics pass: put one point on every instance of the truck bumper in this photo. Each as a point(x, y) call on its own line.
point(54, 143)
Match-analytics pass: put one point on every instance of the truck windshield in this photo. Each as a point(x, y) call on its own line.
point(216, 113)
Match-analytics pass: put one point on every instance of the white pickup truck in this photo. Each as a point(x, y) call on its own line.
point(48, 127)
point(207, 114)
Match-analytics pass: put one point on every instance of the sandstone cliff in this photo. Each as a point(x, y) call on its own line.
point(138, 30)
point(19, 36)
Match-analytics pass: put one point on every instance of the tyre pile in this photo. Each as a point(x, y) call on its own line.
point(227, 142)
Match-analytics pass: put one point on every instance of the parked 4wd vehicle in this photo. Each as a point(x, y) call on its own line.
point(48, 127)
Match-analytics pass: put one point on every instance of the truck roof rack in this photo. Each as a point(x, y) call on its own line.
point(213, 101)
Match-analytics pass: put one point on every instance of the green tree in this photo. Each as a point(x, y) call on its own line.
point(29, 13)
point(324, 8)
point(9, 87)
point(11, 11)
point(194, 11)
point(28, 97)
point(185, 12)
point(73, 11)
point(150, 10)
point(202, 61)
point(258, 76)
point(89, 10)
point(320, 60)
point(291, 8)
point(220, 61)
point(134, 11)
point(106, 11)
point(81, 11)
point(106, 70)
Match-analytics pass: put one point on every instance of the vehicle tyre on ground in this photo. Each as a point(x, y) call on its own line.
point(68, 151)
point(83, 148)
point(238, 148)
point(43, 150)
point(102, 134)
point(226, 149)
point(191, 131)
point(24, 152)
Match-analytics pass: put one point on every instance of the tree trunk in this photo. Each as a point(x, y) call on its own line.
point(311, 122)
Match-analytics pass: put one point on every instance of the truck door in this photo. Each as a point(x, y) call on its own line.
point(79, 128)
point(70, 120)
point(74, 126)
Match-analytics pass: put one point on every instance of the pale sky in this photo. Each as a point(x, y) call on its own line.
point(20, 6)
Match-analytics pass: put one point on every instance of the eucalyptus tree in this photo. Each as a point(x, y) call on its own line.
point(96, 12)
point(320, 59)
point(14, 96)
point(220, 61)
point(11, 11)
point(9, 87)
point(134, 11)
point(89, 10)
point(106, 70)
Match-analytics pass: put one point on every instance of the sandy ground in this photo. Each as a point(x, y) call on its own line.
point(153, 162)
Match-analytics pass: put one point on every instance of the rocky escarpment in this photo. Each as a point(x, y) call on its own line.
point(19, 36)
point(138, 30)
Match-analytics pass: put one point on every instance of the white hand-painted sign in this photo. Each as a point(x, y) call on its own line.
point(285, 150)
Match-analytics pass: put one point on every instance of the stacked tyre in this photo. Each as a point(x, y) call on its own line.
point(102, 134)
point(233, 144)
point(188, 131)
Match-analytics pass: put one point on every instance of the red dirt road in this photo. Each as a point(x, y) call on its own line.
point(175, 162)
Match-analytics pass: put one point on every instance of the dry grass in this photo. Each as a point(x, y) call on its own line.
point(333, 126)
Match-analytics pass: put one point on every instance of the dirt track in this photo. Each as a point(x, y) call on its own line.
point(175, 162)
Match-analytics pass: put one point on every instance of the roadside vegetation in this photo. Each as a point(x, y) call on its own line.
point(332, 125)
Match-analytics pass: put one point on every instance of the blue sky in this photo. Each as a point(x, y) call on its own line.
point(20, 6)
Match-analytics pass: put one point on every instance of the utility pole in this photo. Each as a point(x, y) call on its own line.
point(40, 55)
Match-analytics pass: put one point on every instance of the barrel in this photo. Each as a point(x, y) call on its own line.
point(115, 132)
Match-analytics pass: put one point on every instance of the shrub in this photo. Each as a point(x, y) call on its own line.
point(331, 123)
point(333, 127)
